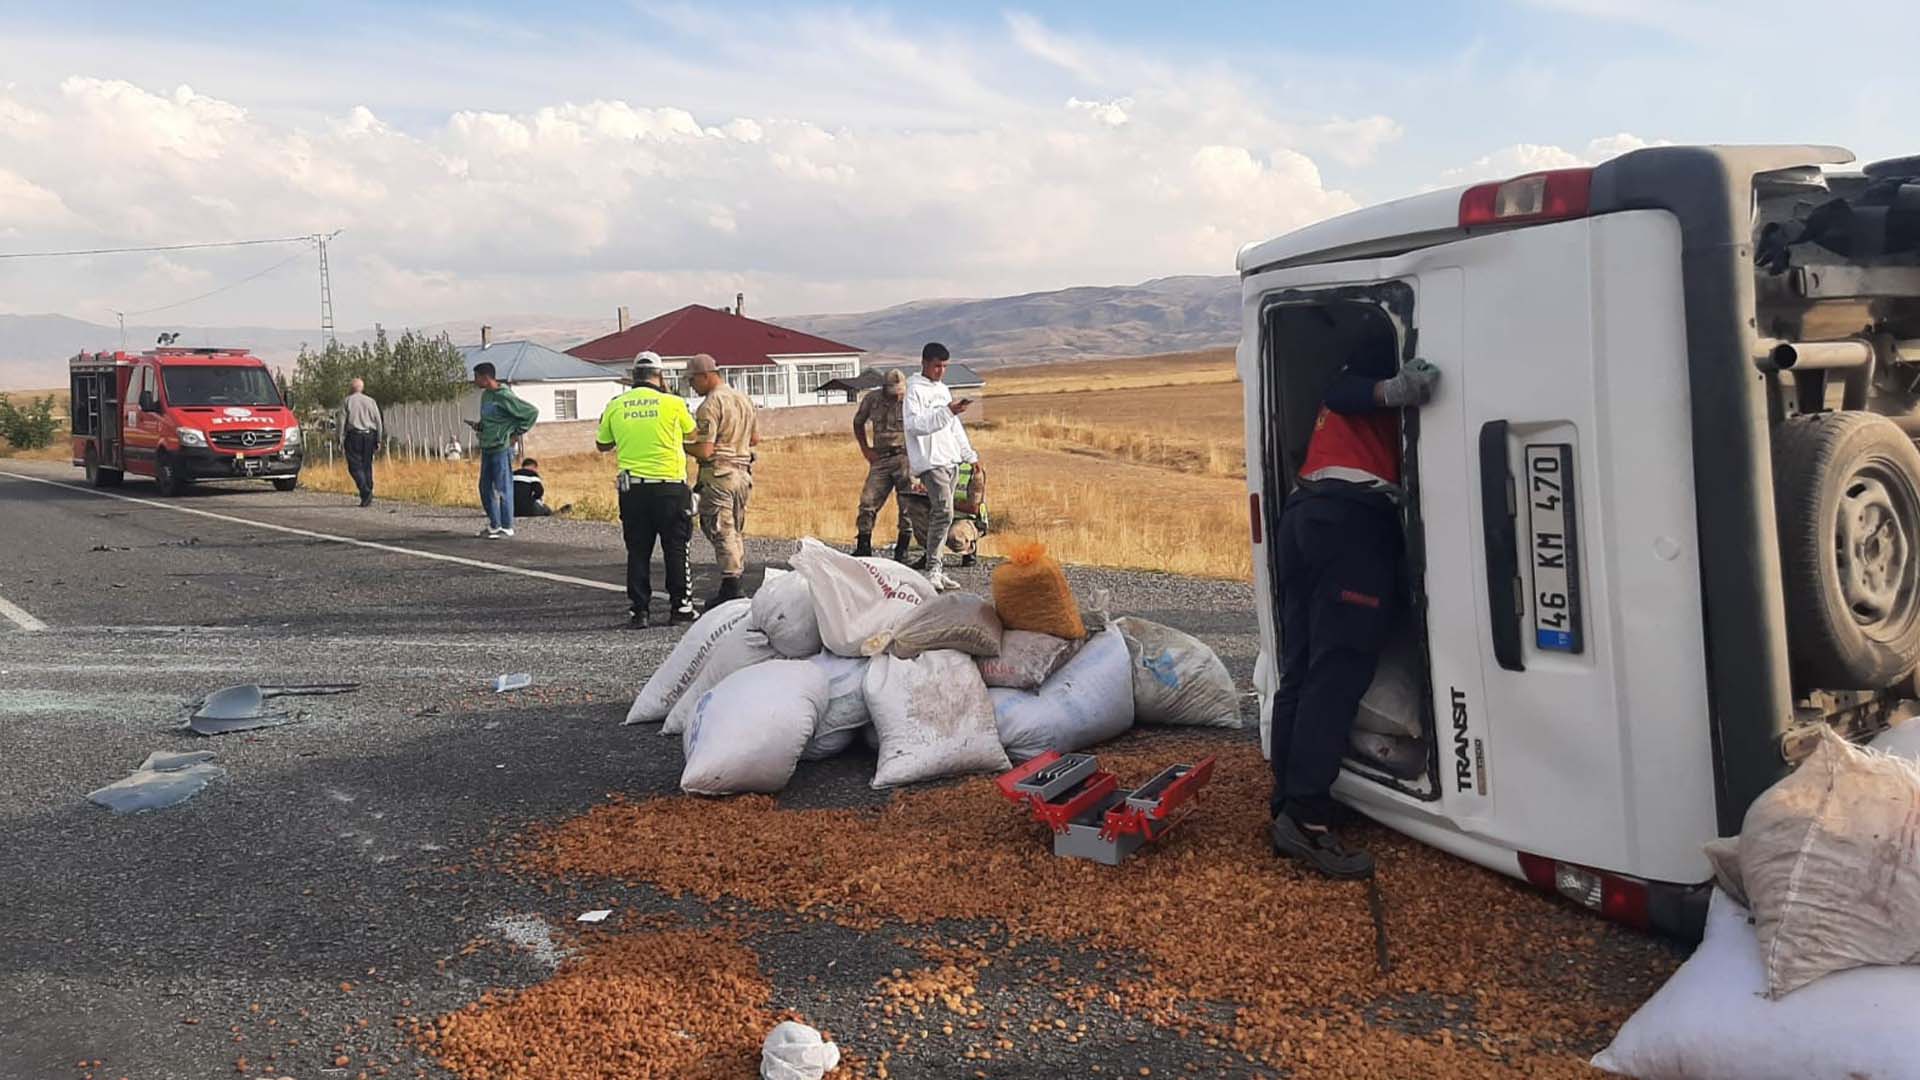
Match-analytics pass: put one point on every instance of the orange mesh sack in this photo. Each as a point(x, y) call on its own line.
point(1030, 592)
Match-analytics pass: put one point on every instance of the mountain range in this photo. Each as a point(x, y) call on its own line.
point(1173, 314)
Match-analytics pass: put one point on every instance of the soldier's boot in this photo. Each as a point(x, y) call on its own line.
point(900, 549)
point(863, 545)
point(729, 590)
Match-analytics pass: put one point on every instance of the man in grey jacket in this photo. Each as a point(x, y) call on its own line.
point(360, 437)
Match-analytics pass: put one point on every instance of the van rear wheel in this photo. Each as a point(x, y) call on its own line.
point(1847, 497)
point(99, 475)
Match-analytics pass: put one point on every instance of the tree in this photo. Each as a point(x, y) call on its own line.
point(414, 368)
point(30, 428)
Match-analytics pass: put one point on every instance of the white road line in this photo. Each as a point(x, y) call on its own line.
point(19, 617)
point(543, 575)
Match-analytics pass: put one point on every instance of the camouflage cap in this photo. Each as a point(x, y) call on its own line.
point(896, 381)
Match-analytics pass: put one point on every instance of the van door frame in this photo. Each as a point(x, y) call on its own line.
point(1396, 299)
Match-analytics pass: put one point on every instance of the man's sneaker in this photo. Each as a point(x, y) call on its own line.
point(490, 532)
point(1320, 849)
point(505, 534)
point(941, 582)
point(637, 620)
point(366, 500)
point(682, 614)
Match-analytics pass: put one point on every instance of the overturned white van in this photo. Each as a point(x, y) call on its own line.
point(1663, 516)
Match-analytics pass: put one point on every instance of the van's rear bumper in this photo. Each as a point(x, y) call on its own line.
point(202, 463)
point(1673, 909)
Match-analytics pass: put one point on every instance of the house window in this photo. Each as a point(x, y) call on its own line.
point(566, 404)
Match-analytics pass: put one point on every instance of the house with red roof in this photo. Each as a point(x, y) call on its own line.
point(773, 365)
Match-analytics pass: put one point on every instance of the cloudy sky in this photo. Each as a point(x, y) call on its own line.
point(482, 160)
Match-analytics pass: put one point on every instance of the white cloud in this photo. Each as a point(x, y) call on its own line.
point(1111, 113)
point(24, 205)
point(1356, 142)
point(1533, 157)
point(562, 205)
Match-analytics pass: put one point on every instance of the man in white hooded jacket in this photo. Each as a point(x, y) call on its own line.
point(936, 445)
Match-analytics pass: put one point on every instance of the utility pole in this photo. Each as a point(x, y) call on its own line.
point(326, 289)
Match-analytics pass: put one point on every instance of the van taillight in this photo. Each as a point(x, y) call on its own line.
point(1622, 899)
point(1253, 516)
point(1543, 196)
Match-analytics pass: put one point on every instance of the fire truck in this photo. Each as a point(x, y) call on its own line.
point(180, 415)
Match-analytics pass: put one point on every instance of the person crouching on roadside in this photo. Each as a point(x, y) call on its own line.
point(969, 513)
point(529, 494)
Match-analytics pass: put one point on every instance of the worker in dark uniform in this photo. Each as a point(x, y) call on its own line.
point(649, 428)
point(1340, 546)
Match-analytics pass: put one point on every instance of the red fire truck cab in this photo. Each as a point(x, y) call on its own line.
point(178, 415)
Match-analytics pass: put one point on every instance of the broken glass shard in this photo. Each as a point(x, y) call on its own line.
point(162, 780)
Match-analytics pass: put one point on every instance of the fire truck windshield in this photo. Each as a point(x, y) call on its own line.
point(219, 385)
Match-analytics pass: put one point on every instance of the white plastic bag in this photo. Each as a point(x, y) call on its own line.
point(747, 733)
point(1177, 679)
point(741, 646)
point(846, 711)
point(1402, 758)
point(795, 1051)
point(1900, 740)
point(858, 602)
point(1085, 703)
point(1829, 858)
point(683, 664)
point(1391, 705)
point(1026, 659)
point(783, 610)
point(1712, 1022)
point(933, 718)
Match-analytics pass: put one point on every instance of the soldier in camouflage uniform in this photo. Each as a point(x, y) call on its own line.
point(887, 471)
point(725, 433)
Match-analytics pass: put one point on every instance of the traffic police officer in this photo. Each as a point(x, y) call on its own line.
point(1339, 557)
point(649, 428)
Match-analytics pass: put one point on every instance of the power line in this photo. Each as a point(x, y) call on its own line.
point(218, 291)
point(156, 247)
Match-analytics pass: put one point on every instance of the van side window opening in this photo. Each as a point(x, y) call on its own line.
point(209, 384)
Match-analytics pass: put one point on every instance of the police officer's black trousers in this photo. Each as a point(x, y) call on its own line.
point(1339, 568)
point(662, 511)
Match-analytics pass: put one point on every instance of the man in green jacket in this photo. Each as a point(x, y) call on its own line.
point(504, 417)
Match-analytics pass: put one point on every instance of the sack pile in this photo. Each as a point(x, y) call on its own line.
point(1808, 967)
point(844, 648)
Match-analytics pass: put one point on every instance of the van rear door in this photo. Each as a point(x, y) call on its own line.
point(1556, 516)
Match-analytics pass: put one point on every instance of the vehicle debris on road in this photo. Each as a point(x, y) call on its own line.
point(244, 707)
point(164, 779)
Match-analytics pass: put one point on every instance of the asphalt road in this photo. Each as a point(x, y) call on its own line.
point(340, 849)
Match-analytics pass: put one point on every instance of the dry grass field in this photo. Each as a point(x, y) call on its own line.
point(1129, 476)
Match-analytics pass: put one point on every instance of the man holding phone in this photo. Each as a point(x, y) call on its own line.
point(937, 444)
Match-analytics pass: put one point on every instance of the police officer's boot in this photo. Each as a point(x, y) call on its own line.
point(863, 545)
point(900, 549)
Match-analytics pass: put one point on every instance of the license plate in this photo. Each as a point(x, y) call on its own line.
point(1553, 540)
